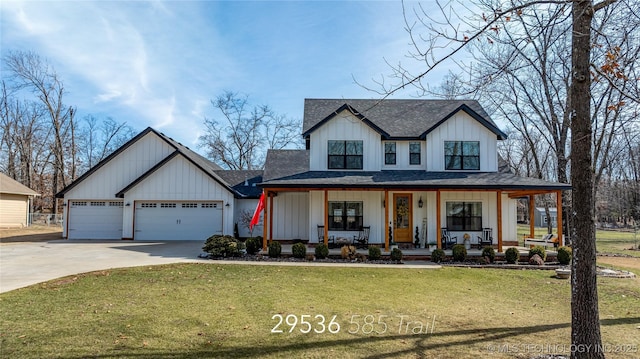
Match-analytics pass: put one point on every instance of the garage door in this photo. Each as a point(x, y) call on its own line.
point(166, 221)
point(95, 220)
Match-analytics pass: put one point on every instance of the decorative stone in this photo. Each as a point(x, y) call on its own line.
point(536, 259)
point(563, 273)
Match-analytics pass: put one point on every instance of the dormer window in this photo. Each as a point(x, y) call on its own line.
point(345, 155)
point(389, 153)
point(462, 155)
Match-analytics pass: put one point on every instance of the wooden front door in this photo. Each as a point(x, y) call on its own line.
point(402, 215)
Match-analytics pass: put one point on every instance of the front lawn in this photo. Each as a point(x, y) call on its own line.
point(213, 310)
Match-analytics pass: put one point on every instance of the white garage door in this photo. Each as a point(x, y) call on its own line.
point(95, 220)
point(166, 221)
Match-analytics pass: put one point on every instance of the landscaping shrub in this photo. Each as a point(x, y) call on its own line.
point(322, 251)
point(348, 252)
point(222, 246)
point(459, 253)
point(275, 249)
point(396, 255)
point(539, 250)
point(299, 250)
point(437, 255)
point(374, 253)
point(253, 244)
point(512, 255)
point(564, 255)
point(489, 252)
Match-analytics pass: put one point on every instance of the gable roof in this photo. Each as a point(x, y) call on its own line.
point(395, 119)
point(282, 163)
point(10, 186)
point(207, 166)
point(203, 164)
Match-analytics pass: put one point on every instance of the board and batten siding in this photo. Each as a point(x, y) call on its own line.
point(13, 210)
point(178, 180)
point(462, 127)
point(120, 171)
point(345, 126)
point(290, 217)
point(402, 156)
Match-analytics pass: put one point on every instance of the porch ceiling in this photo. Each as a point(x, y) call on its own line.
point(414, 180)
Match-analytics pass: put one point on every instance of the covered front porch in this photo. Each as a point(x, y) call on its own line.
point(401, 213)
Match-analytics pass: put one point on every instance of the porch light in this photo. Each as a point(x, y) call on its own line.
point(420, 203)
point(128, 204)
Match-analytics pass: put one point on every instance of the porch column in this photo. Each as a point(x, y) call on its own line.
point(386, 220)
point(499, 205)
point(265, 218)
point(271, 217)
point(532, 216)
point(438, 219)
point(559, 216)
point(326, 216)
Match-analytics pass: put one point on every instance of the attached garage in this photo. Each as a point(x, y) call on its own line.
point(177, 220)
point(95, 219)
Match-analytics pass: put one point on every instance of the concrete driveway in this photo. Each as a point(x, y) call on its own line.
point(24, 264)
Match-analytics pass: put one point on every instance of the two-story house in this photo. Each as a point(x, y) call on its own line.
point(403, 168)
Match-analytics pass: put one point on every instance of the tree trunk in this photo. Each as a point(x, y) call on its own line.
point(585, 321)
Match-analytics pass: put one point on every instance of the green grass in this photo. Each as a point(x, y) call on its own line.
point(225, 311)
point(618, 242)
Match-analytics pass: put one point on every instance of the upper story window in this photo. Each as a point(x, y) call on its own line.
point(345, 155)
point(414, 153)
point(389, 153)
point(462, 155)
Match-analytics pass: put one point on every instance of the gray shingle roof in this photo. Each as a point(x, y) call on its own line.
point(10, 186)
point(396, 118)
point(237, 178)
point(415, 179)
point(282, 163)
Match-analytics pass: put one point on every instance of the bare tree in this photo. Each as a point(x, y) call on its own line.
point(454, 33)
point(241, 138)
point(32, 73)
point(99, 138)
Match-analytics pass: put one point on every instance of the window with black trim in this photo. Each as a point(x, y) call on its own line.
point(462, 155)
point(414, 153)
point(345, 155)
point(389, 153)
point(464, 216)
point(345, 216)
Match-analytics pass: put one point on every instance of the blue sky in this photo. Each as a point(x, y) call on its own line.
point(159, 63)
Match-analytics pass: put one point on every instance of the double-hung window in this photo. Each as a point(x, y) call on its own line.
point(345, 216)
point(462, 155)
point(345, 155)
point(464, 216)
point(389, 153)
point(414, 153)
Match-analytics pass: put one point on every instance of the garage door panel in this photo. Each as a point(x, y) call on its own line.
point(177, 220)
point(95, 220)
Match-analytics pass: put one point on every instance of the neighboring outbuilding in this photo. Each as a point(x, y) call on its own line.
point(15, 199)
point(541, 219)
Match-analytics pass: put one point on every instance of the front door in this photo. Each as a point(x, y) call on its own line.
point(402, 214)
